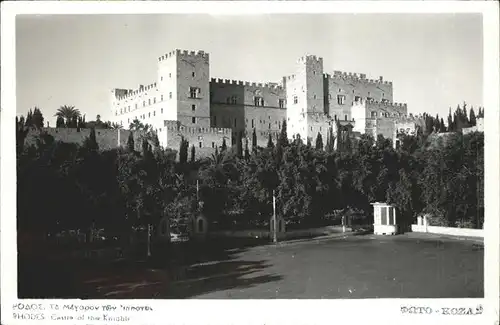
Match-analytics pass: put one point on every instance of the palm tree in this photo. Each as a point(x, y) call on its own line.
point(68, 113)
point(136, 125)
point(116, 126)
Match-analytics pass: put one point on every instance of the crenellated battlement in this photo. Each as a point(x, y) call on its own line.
point(385, 104)
point(124, 94)
point(358, 77)
point(267, 85)
point(309, 58)
point(183, 53)
point(175, 126)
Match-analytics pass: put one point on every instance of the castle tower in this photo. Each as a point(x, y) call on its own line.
point(305, 98)
point(183, 82)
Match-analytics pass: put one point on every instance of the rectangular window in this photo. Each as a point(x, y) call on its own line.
point(215, 120)
point(391, 216)
point(345, 117)
point(194, 92)
point(200, 144)
point(170, 95)
point(170, 75)
point(340, 99)
point(253, 124)
point(383, 216)
point(135, 106)
point(213, 144)
point(192, 74)
point(193, 119)
point(149, 101)
point(144, 103)
point(269, 125)
point(149, 114)
point(154, 113)
point(369, 99)
point(193, 107)
point(228, 100)
point(357, 98)
point(233, 100)
point(234, 122)
point(281, 103)
point(161, 98)
point(259, 101)
point(295, 99)
point(162, 110)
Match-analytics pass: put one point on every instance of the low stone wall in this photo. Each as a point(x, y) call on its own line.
point(465, 232)
point(289, 234)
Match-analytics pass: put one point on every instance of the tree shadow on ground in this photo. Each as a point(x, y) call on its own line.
point(202, 279)
point(182, 270)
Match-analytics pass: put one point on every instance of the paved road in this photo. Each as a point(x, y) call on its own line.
point(356, 267)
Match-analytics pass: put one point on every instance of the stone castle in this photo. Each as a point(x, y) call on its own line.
point(186, 102)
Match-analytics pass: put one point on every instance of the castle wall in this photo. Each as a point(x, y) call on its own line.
point(478, 128)
point(233, 106)
point(352, 86)
point(106, 138)
point(223, 91)
point(319, 124)
point(204, 139)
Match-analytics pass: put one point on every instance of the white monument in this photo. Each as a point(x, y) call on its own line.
point(384, 217)
point(200, 226)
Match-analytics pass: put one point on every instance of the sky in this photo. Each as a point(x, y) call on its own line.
point(435, 61)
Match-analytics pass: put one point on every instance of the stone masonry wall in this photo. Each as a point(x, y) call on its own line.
point(106, 138)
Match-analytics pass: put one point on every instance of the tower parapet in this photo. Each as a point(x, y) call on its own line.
point(177, 52)
point(356, 77)
point(263, 86)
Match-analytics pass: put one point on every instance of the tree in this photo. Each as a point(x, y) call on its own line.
point(319, 142)
point(239, 144)
point(91, 142)
point(67, 113)
point(254, 140)
point(472, 117)
point(136, 125)
point(60, 122)
point(37, 118)
point(29, 119)
point(116, 126)
point(130, 142)
point(450, 122)
point(247, 152)
point(183, 151)
point(193, 151)
point(224, 145)
point(270, 143)
point(283, 137)
point(442, 127)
